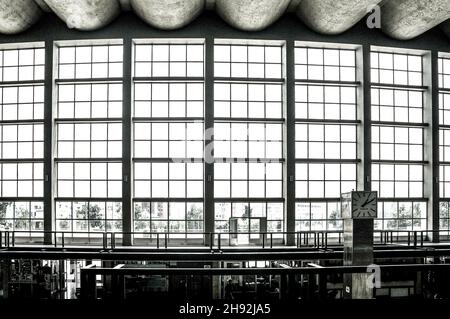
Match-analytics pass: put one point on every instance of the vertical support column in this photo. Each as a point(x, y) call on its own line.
point(127, 209)
point(48, 145)
point(434, 145)
point(364, 114)
point(290, 143)
point(208, 199)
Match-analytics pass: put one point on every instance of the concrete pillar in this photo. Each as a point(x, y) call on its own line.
point(358, 251)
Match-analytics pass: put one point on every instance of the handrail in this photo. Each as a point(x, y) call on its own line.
point(215, 240)
point(262, 271)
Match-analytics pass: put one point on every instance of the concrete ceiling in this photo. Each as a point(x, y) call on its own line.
point(400, 19)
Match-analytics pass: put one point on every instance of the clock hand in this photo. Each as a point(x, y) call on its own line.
point(368, 202)
point(364, 204)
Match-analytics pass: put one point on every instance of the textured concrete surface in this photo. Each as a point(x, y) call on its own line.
point(85, 14)
point(18, 15)
point(168, 14)
point(406, 19)
point(250, 15)
point(400, 19)
point(333, 16)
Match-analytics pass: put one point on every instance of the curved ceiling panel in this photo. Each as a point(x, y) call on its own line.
point(250, 15)
point(18, 15)
point(333, 16)
point(406, 19)
point(85, 14)
point(400, 19)
point(168, 14)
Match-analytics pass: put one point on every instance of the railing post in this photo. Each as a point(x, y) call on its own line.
point(409, 238)
point(105, 241)
point(62, 239)
point(211, 240)
point(271, 240)
point(157, 240)
point(415, 239)
point(165, 240)
point(263, 241)
point(219, 244)
point(13, 242)
point(113, 240)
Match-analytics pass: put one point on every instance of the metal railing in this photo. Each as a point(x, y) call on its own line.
point(302, 239)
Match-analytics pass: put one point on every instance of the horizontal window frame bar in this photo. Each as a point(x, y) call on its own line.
point(403, 124)
point(248, 200)
point(317, 200)
point(168, 119)
point(248, 160)
point(403, 199)
point(27, 121)
point(326, 121)
point(248, 80)
point(405, 87)
point(22, 83)
point(168, 199)
point(250, 120)
point(22, 160)
point(328, 83)
point(167, 160)
point(21, 199)
point(328, 160)
point(400, 162)
point(166, 79)
point(88, 199)
point(89, 120)
point(89, 80)
point(88, 159)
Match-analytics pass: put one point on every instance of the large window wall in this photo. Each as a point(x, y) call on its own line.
point(398, 125)
point(21, 137)
point(88, 139)
point(326, 126)
point(168, 130)
point(248, 138)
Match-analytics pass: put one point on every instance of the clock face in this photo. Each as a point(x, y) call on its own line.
point(364, 205)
